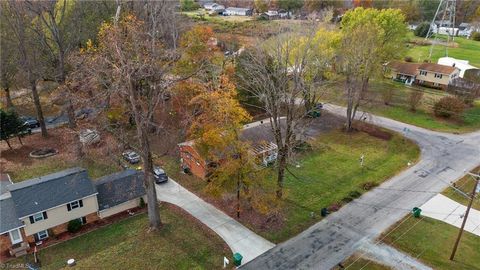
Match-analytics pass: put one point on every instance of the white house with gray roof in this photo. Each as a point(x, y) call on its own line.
point(35, 209)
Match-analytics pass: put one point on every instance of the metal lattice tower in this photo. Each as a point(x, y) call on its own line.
point(446, 11)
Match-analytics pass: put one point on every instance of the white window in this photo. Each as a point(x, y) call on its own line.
point(437, 75)
point(75, 204)
point(42, 235)
point(38, 217)
point(435, 84)
point(423, 73)
point(15, 236)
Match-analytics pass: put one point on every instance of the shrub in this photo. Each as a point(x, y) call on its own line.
point(354, 194)
point(414, 99)
point(422, 29)
point(347, 199)
point(368, 185)
point(476, 36)
point(333, 207)
point(142, 203)
point(408, 59)
point(74, 225)
point(449, 106)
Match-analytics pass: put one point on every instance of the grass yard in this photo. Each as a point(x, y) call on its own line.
point(399, 107)
point(432, 242)
point(465, 184)
point(361, 264)
point(327, 174)
point(182, 243)
point(466, 49)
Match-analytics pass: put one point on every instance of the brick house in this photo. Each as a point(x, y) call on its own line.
point(258, 134)
point(35, 209)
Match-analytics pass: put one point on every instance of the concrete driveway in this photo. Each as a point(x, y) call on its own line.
point(238, 237)
point(444, 157)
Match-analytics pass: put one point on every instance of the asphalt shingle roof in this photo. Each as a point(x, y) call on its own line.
point(437, 68)
point(38, 194)
point(8, 216)
point(405, 67)
point(119, 187)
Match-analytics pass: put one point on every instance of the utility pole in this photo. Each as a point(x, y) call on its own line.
point(477, 179)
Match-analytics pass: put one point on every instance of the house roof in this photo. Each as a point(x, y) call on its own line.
point(437, 68)
point(118, 188)
point(4, 182)
point(238, 9)
point(42, 193)
point(404, 67)
point(8, 217)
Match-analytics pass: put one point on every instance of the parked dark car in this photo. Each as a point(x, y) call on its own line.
point(160, 175)
point(30, 122)
point(131, 156)
point(316, 111)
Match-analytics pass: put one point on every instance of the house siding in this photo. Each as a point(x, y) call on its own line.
point(191, 159)
point(59, 215)
point(120, 208)
point(430, 79)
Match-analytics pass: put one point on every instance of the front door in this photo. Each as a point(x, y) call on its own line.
point(15, 236)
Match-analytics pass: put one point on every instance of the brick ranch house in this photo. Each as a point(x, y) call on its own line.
point(427, 74)
point(35, 209)
point(258, 134)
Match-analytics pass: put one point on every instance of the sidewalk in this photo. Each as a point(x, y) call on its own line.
point(447, 210)
point(238, 237)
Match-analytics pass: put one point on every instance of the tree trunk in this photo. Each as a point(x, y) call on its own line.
point(146, 154)
point(238, 195)
point(282, 164)
point(38, 107)
point(71, 114)
point(8, 143)
point(8, 98)
point(20, 139)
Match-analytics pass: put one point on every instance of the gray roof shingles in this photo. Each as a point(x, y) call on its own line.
point(118, 188)
point(42, 193)
point(8, 216)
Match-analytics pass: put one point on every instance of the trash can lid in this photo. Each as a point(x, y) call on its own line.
point(237, 256)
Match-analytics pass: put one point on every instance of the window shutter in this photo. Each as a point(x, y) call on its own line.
point(84, 220)
point(68, 207)
point(81, 203)
point(45, 215)
point(35, 236)
point(32, 220)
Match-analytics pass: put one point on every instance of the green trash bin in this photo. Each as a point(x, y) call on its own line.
point(416, 212)
point(237, 259)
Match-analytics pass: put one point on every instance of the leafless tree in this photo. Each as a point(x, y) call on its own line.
point(274, 73)
point(8, 58)
point(138, 70)
point(19, 20)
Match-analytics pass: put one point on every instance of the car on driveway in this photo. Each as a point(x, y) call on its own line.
point(131, 156)
point(30, 122)
point(160, 175)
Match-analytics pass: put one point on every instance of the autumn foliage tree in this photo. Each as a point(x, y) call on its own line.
point(139, 68)
point(217, 131)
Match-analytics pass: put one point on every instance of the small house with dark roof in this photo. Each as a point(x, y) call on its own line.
point(33, 210)
point(259, 136)
point(119, 192)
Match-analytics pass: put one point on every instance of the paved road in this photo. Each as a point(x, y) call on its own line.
point(444, 157)
point(238, 237)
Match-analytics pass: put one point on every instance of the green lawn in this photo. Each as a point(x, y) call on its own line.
point(327, 174)
point(465, 184)
point(467, 49)
point(181, 244)
point(399, 107)
point(331, 170)
point(432, 242)
point(355, 263)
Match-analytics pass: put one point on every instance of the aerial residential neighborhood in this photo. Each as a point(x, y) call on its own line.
point(251, 134)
